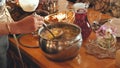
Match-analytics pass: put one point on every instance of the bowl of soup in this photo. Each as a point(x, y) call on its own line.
point(64, 47)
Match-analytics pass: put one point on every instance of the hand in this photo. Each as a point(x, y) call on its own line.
point(27, 25)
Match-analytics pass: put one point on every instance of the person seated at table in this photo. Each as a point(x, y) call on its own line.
point(8, 26)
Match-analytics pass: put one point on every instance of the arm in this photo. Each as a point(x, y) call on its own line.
point(3, 29)
point(29, 24)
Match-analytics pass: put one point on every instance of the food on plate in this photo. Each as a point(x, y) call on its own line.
point(66, 16)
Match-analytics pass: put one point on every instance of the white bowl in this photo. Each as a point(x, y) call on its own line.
point(28, 5)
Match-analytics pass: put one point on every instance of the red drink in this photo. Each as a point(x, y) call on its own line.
point(82, 21)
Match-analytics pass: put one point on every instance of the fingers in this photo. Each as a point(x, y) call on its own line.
point(38, 16)
point(38, 20)
point(39, 24)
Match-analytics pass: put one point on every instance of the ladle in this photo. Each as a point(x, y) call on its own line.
point(45, 26)
point(54, 36)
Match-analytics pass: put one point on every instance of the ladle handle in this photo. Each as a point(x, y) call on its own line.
point(45, 26)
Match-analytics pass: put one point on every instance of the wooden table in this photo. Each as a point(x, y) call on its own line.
point(83, 60)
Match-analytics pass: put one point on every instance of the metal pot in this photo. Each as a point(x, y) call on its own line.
point(60, 50)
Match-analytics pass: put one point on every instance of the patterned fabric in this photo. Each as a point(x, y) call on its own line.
point(4, 14)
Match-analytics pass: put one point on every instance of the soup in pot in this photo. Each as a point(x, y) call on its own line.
point(68, 33)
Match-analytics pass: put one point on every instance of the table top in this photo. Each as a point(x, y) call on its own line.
point(83, 60)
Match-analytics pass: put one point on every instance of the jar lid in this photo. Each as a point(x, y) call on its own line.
point(80, 7)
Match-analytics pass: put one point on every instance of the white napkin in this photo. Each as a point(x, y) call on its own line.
point(115, 22)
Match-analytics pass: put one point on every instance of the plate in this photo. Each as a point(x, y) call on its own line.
point(64, 16)
point(28, 40)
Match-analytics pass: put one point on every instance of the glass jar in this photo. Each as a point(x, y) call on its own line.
point(105, 45)
point(81, 19)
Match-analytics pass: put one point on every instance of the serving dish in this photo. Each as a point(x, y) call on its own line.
point(63, 48)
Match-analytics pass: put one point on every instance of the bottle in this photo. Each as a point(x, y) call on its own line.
point(81, 19)
point(55, 6)
point(51, 9)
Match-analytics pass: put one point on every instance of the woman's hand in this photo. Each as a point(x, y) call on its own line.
point(27, 25)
